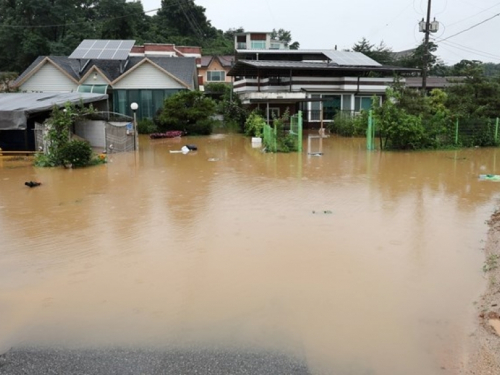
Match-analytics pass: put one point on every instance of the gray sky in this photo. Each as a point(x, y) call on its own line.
point(326, 23)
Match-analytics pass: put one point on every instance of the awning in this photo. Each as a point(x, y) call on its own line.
point(93, 89)
point(15, 108)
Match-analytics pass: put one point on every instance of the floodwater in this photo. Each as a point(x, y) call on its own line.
point(357, 262)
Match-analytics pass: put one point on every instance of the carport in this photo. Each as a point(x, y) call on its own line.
point(20, 111)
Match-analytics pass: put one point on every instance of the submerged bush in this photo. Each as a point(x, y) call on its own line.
point(77, 153)
point(146, 126)
point(254, 125)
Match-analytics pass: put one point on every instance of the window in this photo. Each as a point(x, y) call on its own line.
point(275, 45)
point(96, 89)
point(362, 103)
point(274, 112)
point(331, 105)
point(149, 101)
point(324, 106)
point(216, 76)
point(258, 44)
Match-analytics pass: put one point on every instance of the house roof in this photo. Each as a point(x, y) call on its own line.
point(182, 68)
point(225, 60)
point(252, 67)
point(15, 108)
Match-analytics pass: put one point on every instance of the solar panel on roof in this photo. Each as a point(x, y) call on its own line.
point(351, 58)
point(103, 49)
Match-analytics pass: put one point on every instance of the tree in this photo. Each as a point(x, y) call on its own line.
point(184, 20)
point(285, 37)
point(381, 53)
point(6, 80)
point(189, 111)
point(416, 59)
point(32, 28)
point(477, 95)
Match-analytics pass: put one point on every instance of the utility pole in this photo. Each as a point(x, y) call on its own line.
point(426, 49)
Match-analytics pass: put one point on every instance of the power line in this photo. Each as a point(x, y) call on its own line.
point(470, 28)
point(472, 50)
point(474, 15)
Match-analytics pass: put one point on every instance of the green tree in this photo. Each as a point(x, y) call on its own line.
point(381, 53)
point(477, 95)
point(189, 111)
point(286, 37)
point(398, 129)
point(32, 28)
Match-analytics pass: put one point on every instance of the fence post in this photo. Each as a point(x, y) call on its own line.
point(299, 125)
point(369, 140)
point(275, 138)
point(456, 132)
point(496, 131)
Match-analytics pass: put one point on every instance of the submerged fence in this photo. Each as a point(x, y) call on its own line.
point(276, 139)
point(469, 132)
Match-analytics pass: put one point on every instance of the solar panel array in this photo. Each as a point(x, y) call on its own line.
point(350, 58)
point(91, 49)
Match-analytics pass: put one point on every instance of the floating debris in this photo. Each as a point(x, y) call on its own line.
point(489, 177)
point(326, 212)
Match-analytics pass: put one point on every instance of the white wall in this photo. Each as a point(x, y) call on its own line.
point(147, 76)
point(98, 81)
point(48, 79)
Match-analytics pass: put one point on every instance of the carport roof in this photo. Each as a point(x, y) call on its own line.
point(15, 108)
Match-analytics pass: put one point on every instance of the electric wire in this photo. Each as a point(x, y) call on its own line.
point(470, 28)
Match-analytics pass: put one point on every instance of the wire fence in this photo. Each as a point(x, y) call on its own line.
point(464, 132)
point(277, 139)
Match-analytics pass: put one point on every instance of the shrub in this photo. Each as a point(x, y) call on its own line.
point(349, 125)
point(77, 153)
point(254, 125)
point(202, 127)
point(146, 126)
point(189, 111)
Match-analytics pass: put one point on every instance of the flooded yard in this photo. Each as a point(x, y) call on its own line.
point(353, 262)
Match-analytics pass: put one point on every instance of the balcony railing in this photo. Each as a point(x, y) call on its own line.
point(241, 45)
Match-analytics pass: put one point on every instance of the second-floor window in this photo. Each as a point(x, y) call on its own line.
point(216, 76)
point(258, 44)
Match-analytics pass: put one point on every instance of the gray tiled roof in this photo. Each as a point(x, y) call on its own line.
point(183, 68)
point(225, 60)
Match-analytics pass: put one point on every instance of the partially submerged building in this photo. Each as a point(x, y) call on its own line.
point(318, 82)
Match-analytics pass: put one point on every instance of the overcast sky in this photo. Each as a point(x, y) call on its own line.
point(329, 23)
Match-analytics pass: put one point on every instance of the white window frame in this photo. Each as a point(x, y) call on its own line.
point(275, 110)
point(221, 72)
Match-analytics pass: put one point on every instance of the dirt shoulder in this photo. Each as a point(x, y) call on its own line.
point(483, 352)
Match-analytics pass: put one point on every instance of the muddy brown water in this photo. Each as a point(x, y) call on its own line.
point(357, 262)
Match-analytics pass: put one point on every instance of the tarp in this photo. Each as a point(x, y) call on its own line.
point(15, 108)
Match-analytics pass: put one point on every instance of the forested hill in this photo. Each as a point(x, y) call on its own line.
point(31, 28)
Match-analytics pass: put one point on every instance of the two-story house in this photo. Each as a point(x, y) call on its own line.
point(318, 82)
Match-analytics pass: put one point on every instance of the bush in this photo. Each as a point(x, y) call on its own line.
point(254, 125)
point(189, 111)
point(146, 126)
point(349, 125)
point(202, 127)
point(77, 153)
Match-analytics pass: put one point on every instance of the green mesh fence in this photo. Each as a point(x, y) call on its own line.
point(464, 132)
point(270, 139)
point(296, 129)
point(277, 139)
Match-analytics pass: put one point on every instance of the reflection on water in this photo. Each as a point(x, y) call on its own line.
point(220, 247)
